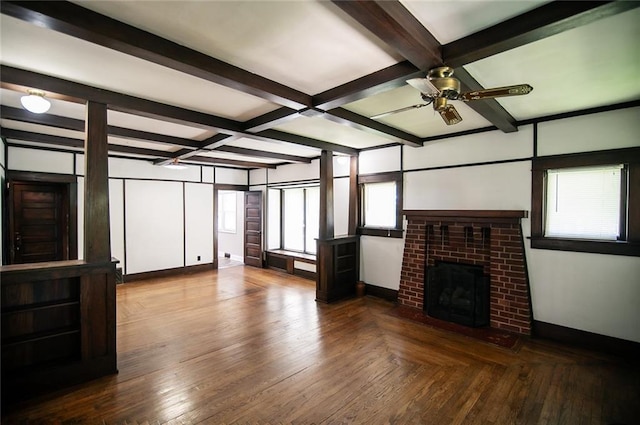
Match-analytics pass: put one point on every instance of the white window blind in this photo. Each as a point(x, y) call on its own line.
point(584, 202)
point(294, 219)
point(380, 204)
point(227, 212)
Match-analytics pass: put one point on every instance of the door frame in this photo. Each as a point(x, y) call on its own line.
point(70, 200)
point(216, 188)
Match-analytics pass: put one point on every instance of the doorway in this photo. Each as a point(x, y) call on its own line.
point(42, 218)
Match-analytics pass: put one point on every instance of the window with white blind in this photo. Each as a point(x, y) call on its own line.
point(381, 204)
point(584, 202)
point(587, 202)
point(227, 211)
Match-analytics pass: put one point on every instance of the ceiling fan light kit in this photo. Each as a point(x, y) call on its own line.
point(35, 102)
point(440, 86)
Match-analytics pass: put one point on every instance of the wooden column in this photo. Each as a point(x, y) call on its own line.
point(353, 195)
point(97, 243)
point(337, 259)
point(326, 195)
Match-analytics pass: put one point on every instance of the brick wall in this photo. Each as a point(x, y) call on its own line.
point(497, 246)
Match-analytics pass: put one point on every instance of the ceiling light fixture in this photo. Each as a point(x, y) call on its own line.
point(175, 165)
point(35, 102)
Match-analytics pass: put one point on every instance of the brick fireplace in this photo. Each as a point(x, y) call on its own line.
point(488, 238)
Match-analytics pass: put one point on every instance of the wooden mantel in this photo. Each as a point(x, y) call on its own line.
point(496, 216)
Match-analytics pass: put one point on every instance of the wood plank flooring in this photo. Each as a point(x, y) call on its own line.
point(250, 346)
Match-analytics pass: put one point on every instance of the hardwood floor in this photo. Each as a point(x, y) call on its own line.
point(250, 346)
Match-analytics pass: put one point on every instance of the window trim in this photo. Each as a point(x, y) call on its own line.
point(628, 156)
point(389, 232)
point(221, 203)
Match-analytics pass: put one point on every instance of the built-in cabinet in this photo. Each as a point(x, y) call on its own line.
point(338, 268)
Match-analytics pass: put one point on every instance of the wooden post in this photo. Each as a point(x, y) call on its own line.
point(353, 195)
point(326, 196)
point(97, 243)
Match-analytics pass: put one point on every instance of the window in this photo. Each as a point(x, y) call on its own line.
point(300, 218)
point(381, 204)
point(227, 211)
point(587, 202)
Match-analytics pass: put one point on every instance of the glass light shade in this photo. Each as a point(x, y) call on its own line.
point(36, 103)
point(175, 166)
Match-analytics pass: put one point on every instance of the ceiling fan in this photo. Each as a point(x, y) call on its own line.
point(440, 86)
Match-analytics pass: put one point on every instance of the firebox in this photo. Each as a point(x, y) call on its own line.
point(457, 293)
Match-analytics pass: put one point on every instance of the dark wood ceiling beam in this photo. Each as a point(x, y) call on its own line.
point(490, 109)
point(21, 115)
point(392, 23)
point(225, 161)
point(147, 108)
point(48, 139)
point(270, 119)
point(263, 154)
point(76, 21)
point(211, 143)
point(542, 22)
point(378, 82)
point(351, 119)
point(270, 135)
point(396, 26)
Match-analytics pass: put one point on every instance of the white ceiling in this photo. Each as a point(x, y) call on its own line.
point(312, 47)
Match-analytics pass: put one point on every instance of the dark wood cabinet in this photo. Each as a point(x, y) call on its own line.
point(58, 325)
point(338, 268)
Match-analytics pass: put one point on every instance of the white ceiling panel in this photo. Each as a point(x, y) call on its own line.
point(593, 65)
point(45, 51)
point(329, 131)
point(453, 19)
point(141, 144)
point(306, 45)
point(226, 155)
point(41, 129)
point(276, 147)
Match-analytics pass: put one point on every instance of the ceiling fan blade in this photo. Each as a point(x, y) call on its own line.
point(424, 85)
point(450, 115)
point(396, 111)
point(517, 90)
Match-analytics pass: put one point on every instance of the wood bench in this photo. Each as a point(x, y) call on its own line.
point(286, 261)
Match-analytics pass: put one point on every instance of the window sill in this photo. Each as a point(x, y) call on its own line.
point(378, 231)
point(592, 246)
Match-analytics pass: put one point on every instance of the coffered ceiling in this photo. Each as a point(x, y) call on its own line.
point(259, 83)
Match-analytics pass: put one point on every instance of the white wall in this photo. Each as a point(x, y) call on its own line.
point(198, 209)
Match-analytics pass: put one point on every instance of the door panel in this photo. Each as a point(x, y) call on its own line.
point(253, 229)
point(38, 222)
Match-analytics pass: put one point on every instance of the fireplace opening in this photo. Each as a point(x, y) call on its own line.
point(457, 293)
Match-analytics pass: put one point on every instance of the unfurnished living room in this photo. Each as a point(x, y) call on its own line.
point(320, 212)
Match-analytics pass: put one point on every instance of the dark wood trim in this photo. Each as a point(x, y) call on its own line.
point(378, 82)
point(33, 176)
point(467, 213)
point(545, 21)
point(391, 22)
point(354, 199)
point(93, 27)
point(588, 340)
point(235, 187)
point(380, 292)
point(305, 141)
point(475, 164)
point(386, 232)
point(270, 119)
point(582, 112)
point(380, 177)
point(263, 154)
point(631, 245)
point(326, 229)
point(250, 164)
point(305, 274)
point(168, 272)
point(97, 242)
point(459, 134)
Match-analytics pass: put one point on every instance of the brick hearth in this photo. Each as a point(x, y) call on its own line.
point(492, 239)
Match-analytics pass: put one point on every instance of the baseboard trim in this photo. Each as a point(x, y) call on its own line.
point(380, 292)
point(584, 339)
point(304, 274)
point(168, 272)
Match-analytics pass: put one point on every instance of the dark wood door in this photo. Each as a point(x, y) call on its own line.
point(38, 222)
point(253, 229)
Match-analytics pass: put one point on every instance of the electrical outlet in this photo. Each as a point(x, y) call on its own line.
point(198, 258)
